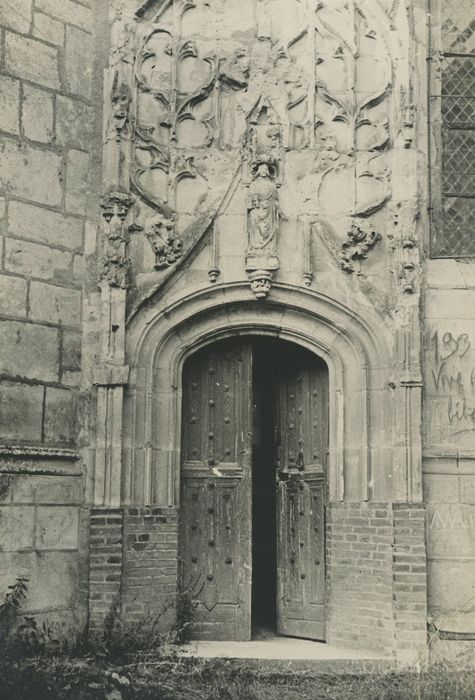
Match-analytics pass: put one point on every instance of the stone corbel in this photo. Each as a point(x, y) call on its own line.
point(260, 269)
point(260, 282)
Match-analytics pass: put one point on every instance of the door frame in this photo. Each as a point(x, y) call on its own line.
point(246, 341)
point(374, 443)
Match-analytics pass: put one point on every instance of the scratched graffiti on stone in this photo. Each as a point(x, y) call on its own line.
point(451, 395)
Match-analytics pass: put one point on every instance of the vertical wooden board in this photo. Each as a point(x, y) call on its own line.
point(303, 430)
point(215, 487)
point(227, 547)
point(316, 539)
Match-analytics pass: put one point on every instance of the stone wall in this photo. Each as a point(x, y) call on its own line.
point(449, 451)
point(46, 137)
point(45, 122)
point(45, 541)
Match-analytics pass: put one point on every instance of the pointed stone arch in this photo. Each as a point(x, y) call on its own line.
point(362, 435)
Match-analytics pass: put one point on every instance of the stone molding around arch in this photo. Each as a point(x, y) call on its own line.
point(365, 447)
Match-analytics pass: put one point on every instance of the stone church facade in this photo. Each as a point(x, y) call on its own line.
point(237, 286)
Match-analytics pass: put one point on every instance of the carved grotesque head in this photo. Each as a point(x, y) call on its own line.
point(120, 100)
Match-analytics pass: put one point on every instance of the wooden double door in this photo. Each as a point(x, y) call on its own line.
point(253, 486)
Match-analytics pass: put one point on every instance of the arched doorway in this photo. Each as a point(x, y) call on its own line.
point(255, 414)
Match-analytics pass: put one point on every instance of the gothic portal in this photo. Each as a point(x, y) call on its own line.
point(253, 488)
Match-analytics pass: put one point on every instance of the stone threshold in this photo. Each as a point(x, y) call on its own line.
point(281, 654)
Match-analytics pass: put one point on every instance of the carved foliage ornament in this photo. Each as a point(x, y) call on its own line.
point(356, 247)
point(115, 263)
point(167, 247)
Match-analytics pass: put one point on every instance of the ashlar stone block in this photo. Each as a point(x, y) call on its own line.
point(16, 14)
point(48, 490)
point(29, 350)
point(21, 408)
point(73, 122)
point(12, 295)
point(53, 578)
point(36, 260)
point(60, 416)
point(16, 528)
point(30, 173)
point(67, 11)
point(57, 527)
point(48, 29)
point(37, 114)
point(9, 105)
point(71, 356)
point(32, 60)
point(44, 226)
point(55, 304)
point(78, 45)
point(77, 182)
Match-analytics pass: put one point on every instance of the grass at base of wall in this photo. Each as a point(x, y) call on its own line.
point(49, 678)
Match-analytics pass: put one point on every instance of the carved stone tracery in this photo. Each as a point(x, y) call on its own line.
point(329, 86)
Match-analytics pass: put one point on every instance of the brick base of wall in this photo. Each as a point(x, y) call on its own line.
point(133, 566)
point(105, 565)
point(376, 578)
point(410, 582)
point(150, 565)
point(359, 576)
point(376, 573)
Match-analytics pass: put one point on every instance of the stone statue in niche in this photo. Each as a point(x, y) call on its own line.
point(262, 160)
point(167, 247)
point(263, 207)
point(115, 263)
